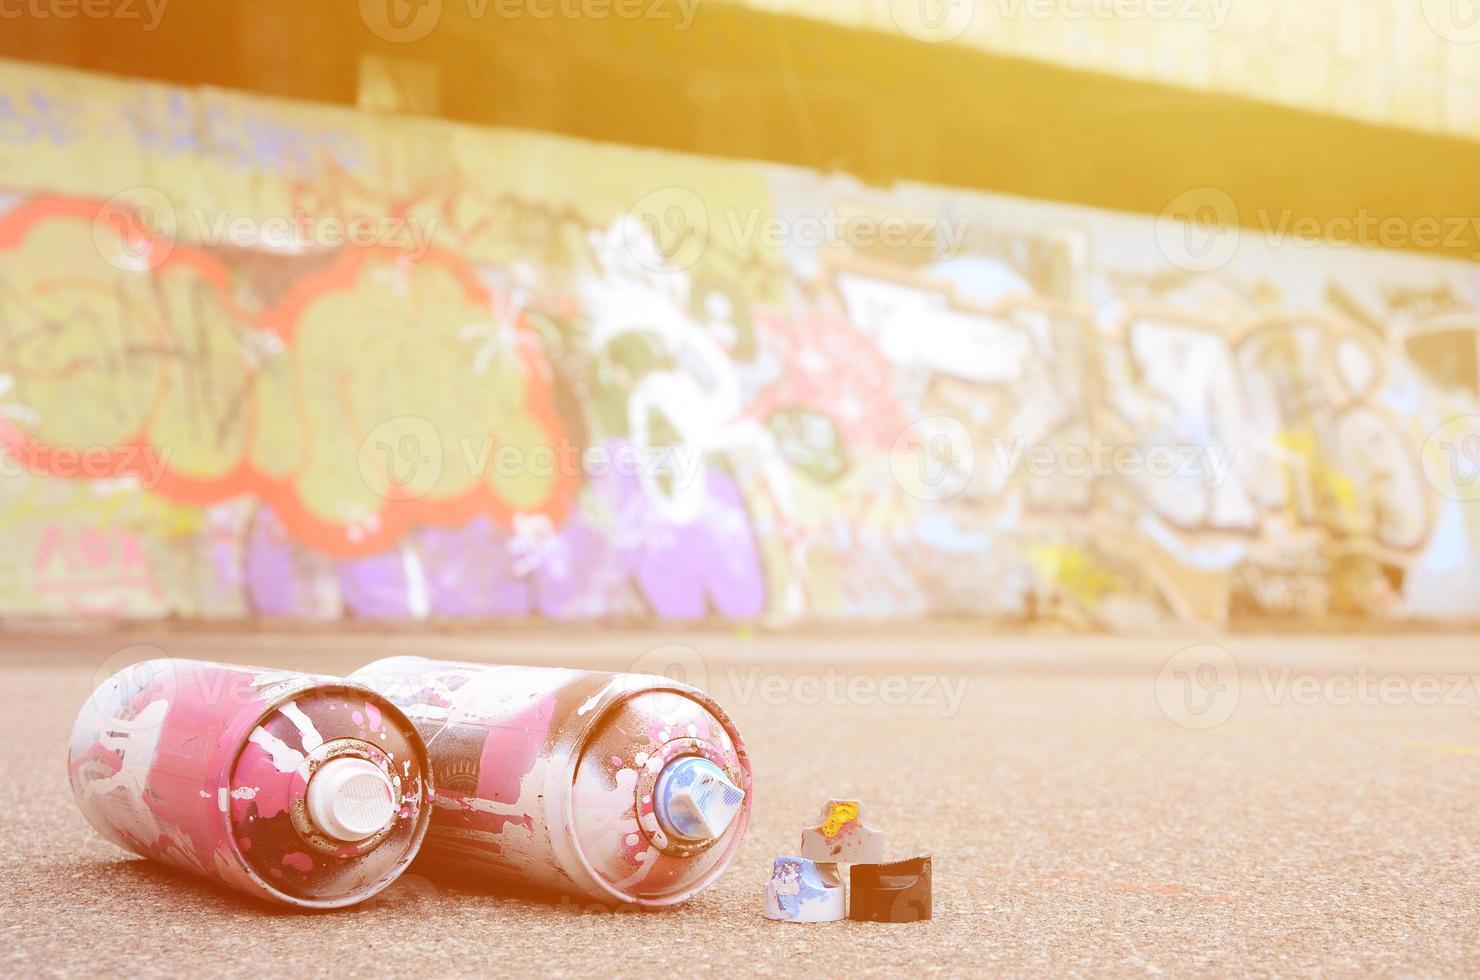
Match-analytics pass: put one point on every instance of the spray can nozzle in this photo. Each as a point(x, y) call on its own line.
point(694, 799)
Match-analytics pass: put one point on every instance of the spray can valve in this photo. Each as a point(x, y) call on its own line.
point(694, 800)
point(351, 799)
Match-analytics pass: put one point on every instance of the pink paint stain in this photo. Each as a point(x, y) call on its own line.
point(276, 790)
point(510, 749)
point(299, 860)
point(373, 713)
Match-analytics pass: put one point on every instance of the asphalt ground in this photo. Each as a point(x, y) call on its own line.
point(1250, 805)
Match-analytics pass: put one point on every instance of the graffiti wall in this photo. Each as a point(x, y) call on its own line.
point(261, 359)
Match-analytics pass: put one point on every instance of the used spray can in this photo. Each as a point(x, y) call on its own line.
point(625, 788)
point(304, 790)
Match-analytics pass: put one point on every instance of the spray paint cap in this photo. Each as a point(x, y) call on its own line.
point(351, 799)
point(842, 836)
point(695, 801)
point(804, 891)
point(896, 892)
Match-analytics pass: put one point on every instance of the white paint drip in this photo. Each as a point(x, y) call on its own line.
point(311, 737)
point(284, 757)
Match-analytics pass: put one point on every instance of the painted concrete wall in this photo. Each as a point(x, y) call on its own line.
point(264, 359)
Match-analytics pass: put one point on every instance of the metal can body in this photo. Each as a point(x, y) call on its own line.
point(546, 778)
point(207, 767)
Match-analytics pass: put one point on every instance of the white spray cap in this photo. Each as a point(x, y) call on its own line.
point(351, 799)
point(695, 801)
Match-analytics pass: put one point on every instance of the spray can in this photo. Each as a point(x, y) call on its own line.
point(303, 790)
point(624, 788)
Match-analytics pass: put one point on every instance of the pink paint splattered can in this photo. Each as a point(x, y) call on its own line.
point(624, 788)
point(304, 790)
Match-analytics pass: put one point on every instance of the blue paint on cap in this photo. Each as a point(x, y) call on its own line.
point(694, 800)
